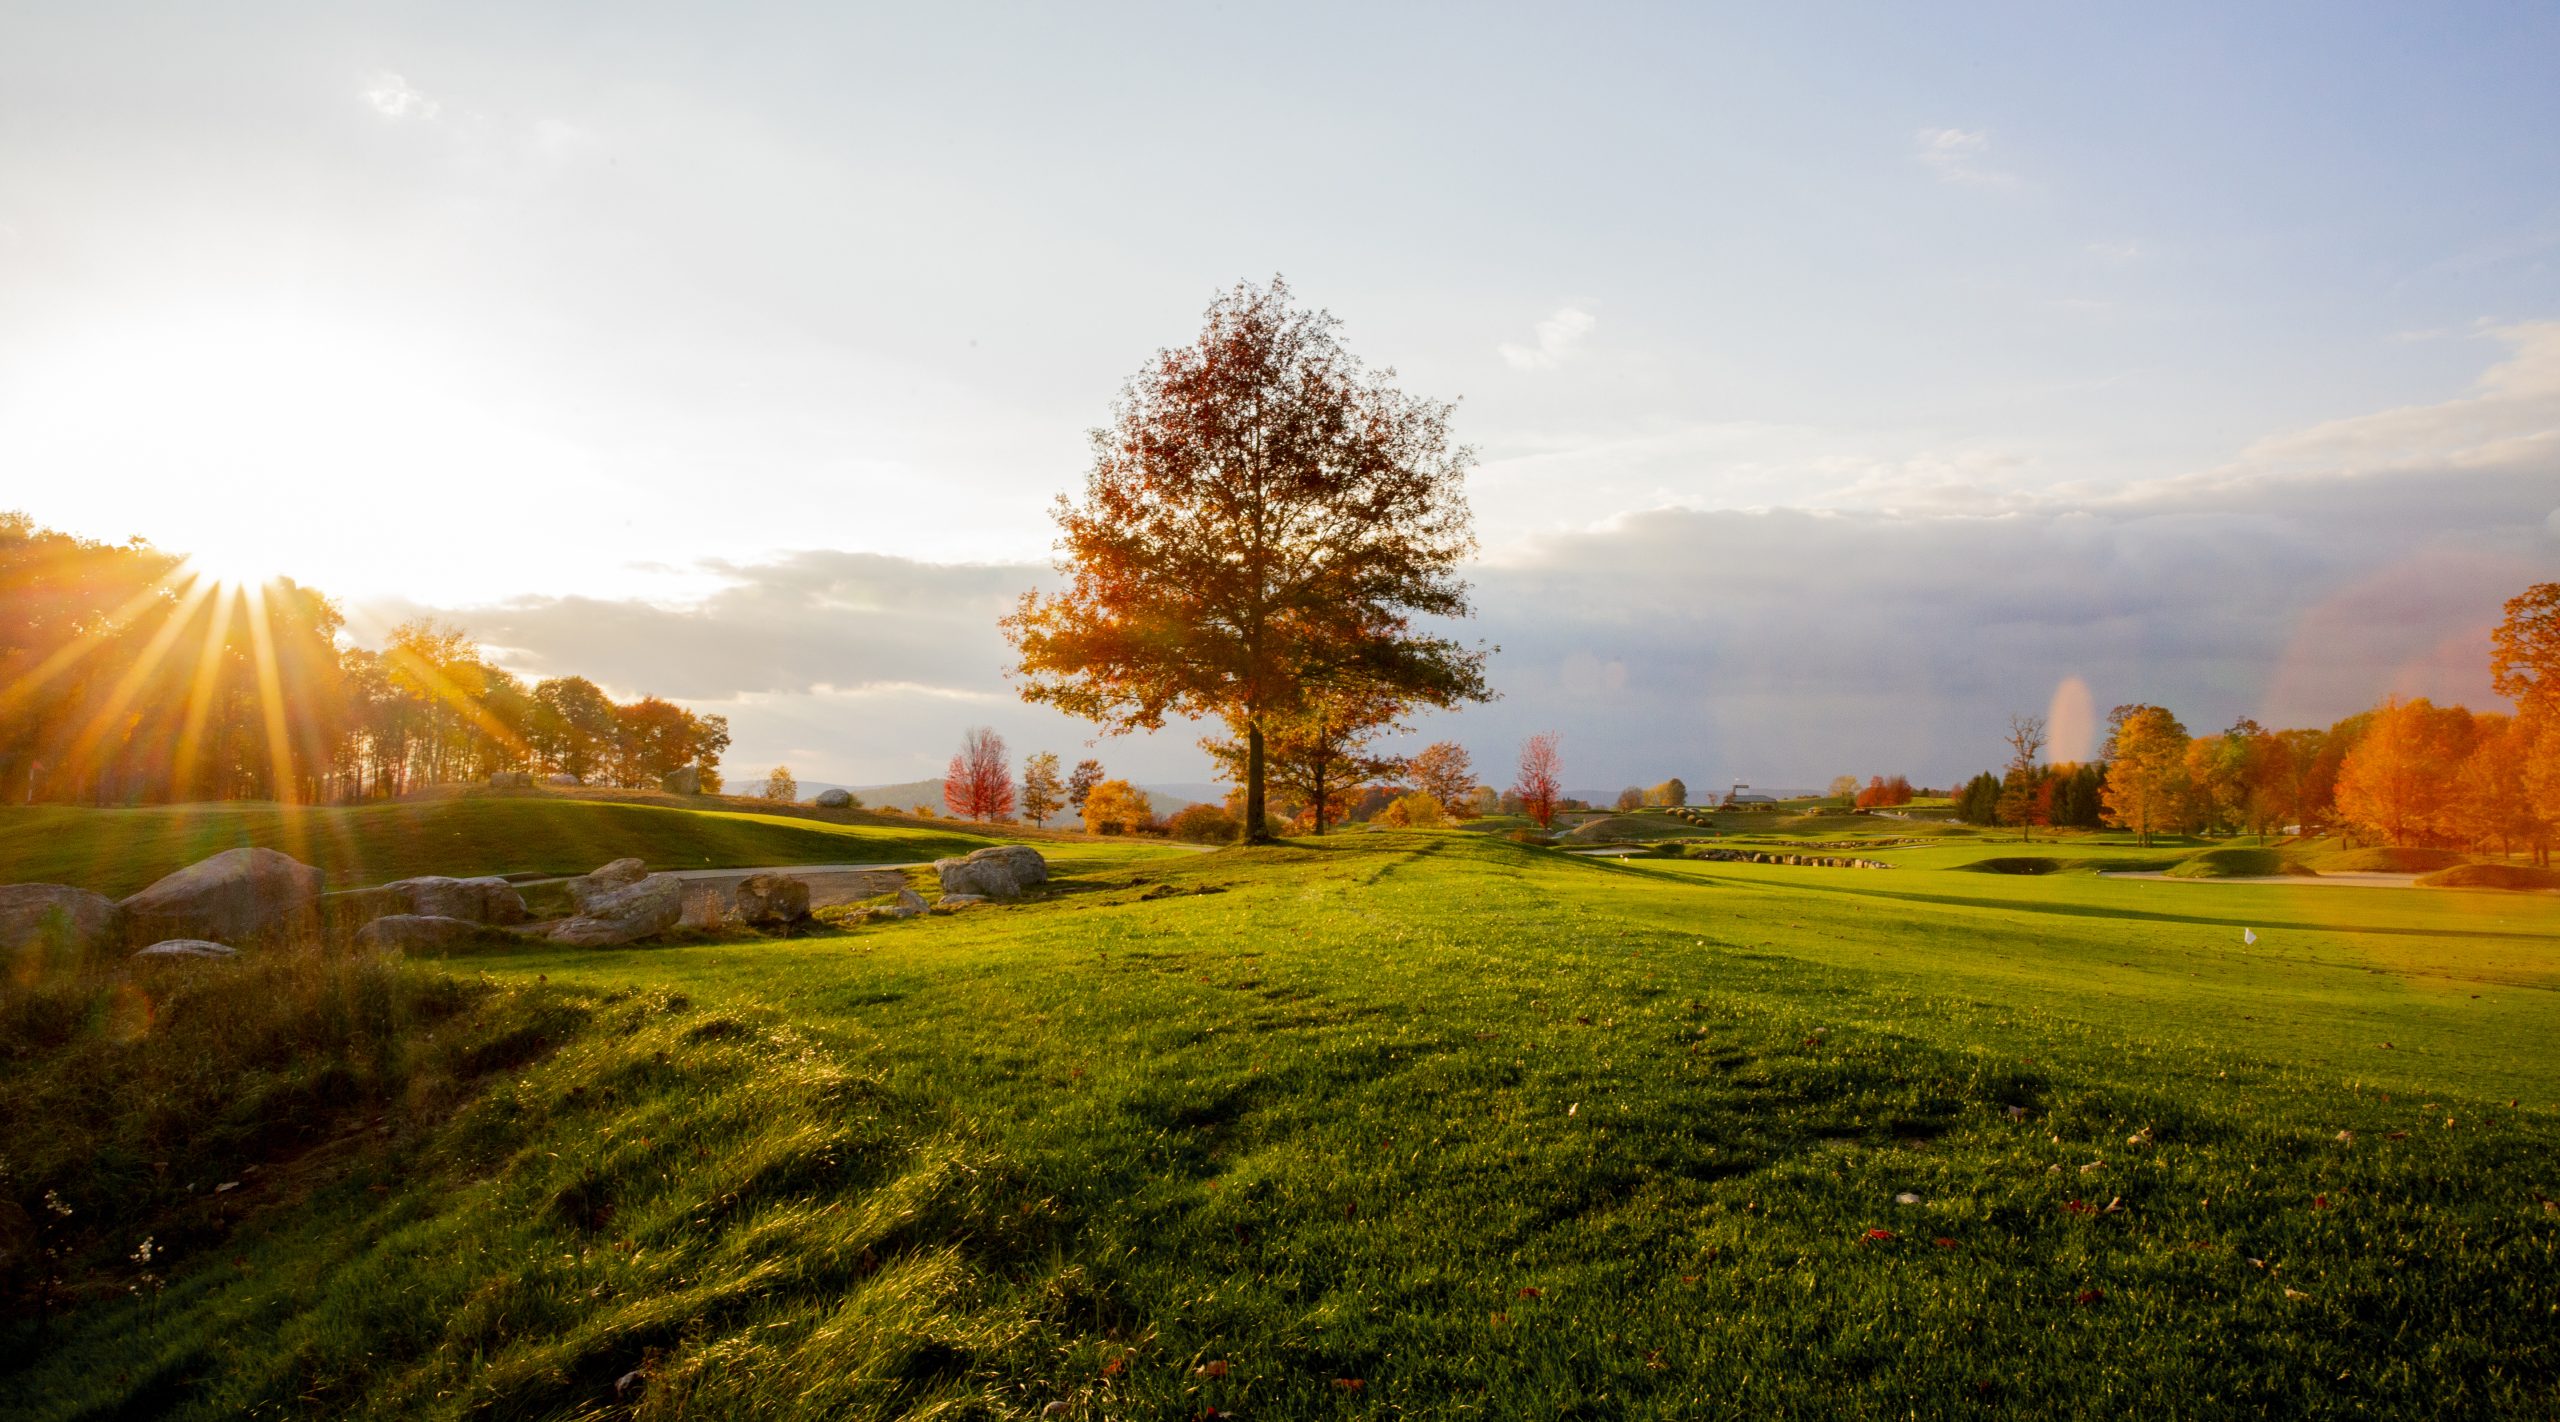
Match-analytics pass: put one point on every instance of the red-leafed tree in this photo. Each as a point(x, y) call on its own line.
point(1541, 780)
point(979, 785)
point(1266, 522)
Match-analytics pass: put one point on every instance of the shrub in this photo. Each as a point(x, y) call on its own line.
point(1203, 824)
point(1415, 811)
point(1118, 807)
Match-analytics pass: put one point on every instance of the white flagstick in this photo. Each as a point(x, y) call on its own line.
point(2248, 935)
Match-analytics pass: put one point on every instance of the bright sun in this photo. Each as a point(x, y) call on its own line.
point(231, 564)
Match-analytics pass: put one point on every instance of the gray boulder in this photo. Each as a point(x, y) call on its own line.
point(835, 799)
point(562, 778)
point(483, 900)
point(624, 915)
point(687, 781)
point(770, 900)
point(420, 933)
point(953, 903)
point(999, 871)
point(187, 948)
point(908, 905)
point(60, 915)
point(511, 780)
point(620, 874)
point(238, 896)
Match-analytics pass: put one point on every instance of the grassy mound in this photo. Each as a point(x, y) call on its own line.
point(1633, 829)
point(2237, 863)
point(118, 851)
point(1417, 1123)
point(2492, 876)
point(2387, 859)
point(2014, 864)
point(447, 1197)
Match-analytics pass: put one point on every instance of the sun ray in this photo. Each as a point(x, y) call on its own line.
point(200, 694)
point(280, 757)
point(130, 684)
point(69, 653)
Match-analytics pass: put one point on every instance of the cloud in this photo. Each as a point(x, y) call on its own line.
point(2512, 414)
point(1782, 646)
point(2116, 253)
point(1956, 155)
point(392, 98)
point(1559, 339)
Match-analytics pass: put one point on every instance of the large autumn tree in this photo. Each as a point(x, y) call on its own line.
point(2146, 770)
point(2524, 657)
point(2398, 783)
point(1265, 520)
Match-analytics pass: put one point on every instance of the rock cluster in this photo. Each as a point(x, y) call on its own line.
point(1756, 856)
point(772, 900)
point(1000, 871)
point(620, 903)
point(836, 799)
point(483, 900)
point(239, 897)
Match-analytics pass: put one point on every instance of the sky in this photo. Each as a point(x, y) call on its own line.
point(1844, 378)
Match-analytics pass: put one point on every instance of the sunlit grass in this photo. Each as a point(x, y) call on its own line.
point(1489, 1131)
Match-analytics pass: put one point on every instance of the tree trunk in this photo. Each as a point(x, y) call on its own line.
point(1256, 827)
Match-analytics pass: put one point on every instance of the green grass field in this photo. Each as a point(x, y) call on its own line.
point(118, 851)
point(1395, 1124)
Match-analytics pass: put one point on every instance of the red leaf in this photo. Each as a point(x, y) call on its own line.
point(1533, 1292)
point(1215, 1368)
point(1879, 1236)
point(2078, 1208)
point(2090, 1296)
point(1350, 1384)
point(2319, 1202)
point(1943, 1242)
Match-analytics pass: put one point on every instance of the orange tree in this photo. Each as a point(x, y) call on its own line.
point(2146, 770)
point(1265, 519)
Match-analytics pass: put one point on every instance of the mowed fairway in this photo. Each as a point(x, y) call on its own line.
point(1435, 1125)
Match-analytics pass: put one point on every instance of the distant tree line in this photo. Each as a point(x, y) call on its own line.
point(2407, 772)
point(125, 678)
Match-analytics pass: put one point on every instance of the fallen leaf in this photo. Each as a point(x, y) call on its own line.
point(1906, 1198)
point(1350, 1384)
point(1943, 1242)
point(2397, 1136)
point(2090, 1296)
point(1532, 1291)
point(1880, 1236)
point(2319, 1202)
point(2295, 1294)
point(2077, 1208)
point(2347, 1136)
point(1214, 1368)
